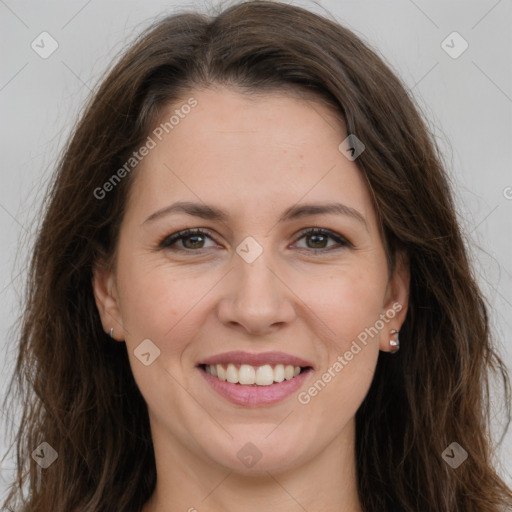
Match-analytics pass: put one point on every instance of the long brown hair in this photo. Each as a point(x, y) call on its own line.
point(77, 388)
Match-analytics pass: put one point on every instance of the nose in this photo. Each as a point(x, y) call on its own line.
point(256, 298)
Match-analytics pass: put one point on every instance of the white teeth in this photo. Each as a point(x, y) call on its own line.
point(221, 373)
point(279, 373)
point(248, 375)
point(232, 374)
point(265, 375)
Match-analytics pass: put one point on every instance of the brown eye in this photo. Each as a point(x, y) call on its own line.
point(194, 239)
point(191, 239)
point(317, 238)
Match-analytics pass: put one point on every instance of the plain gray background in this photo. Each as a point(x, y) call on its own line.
point(467, 101)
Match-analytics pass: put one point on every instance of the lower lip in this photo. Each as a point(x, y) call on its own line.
point(256, 396)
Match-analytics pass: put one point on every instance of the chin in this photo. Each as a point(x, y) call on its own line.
point(256, 454)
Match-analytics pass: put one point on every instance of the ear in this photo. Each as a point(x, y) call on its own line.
point(105, 293)
point(396, 301)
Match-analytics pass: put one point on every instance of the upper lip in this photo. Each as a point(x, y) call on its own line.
point(240, 357)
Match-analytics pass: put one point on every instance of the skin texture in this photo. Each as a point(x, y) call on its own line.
point(253, 156)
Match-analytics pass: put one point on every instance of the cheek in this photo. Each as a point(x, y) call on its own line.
point(353, 357)
point(349, 302)
point(336, 395)
point(351, 348)
point(152, 300)
point(158, 306)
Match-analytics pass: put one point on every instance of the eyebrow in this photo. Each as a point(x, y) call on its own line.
point(209, 212)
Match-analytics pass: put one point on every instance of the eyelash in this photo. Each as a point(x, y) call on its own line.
point(169, 241)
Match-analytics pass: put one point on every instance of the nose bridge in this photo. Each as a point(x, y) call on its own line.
point(255, 279)
point(257, 299)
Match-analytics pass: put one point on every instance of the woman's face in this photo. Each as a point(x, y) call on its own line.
point(253, 290)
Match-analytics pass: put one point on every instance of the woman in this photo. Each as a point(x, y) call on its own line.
point(193, 340)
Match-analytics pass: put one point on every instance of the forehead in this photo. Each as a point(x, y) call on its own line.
point(250, 153)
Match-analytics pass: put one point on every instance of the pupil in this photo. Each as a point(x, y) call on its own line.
point(316, 237)
point(190, 237)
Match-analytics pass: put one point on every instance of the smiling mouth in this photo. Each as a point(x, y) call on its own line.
point(248, 375)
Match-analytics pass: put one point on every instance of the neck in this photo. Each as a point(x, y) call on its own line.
point(327, 482)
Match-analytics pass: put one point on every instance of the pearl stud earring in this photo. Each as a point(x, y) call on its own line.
point(395, 345)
